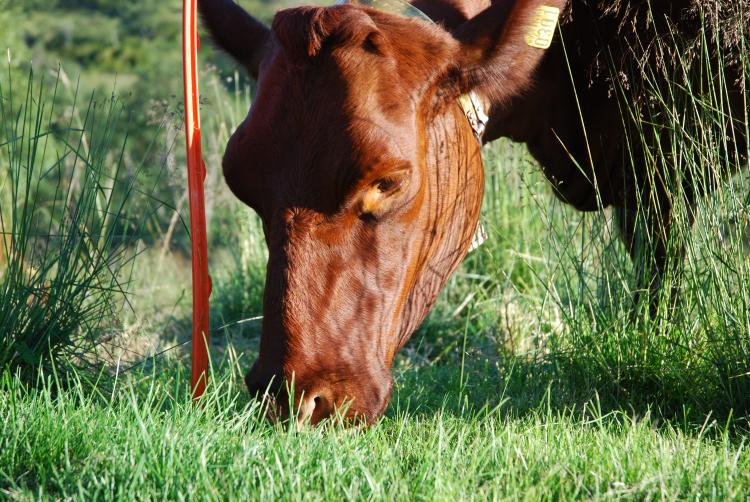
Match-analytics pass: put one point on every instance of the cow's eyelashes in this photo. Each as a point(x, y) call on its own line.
point(387, 185)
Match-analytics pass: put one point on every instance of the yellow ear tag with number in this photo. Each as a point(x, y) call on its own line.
point(542, 27)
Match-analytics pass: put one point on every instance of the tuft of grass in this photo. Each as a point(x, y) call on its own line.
point(64, 193)
point(688, 122)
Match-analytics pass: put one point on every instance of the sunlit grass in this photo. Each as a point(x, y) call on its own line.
point(143, 439)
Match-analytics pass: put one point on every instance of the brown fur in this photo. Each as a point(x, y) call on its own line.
point(369, 181)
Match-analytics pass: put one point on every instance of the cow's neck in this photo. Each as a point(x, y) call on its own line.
point(568, 129)
point(452, 189)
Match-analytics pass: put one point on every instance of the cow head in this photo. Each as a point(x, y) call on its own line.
point(367, 178)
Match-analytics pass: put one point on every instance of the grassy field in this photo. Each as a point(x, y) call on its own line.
point(142, 439)
point(534, 377)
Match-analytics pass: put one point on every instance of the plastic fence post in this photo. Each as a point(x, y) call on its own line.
point(196, 177)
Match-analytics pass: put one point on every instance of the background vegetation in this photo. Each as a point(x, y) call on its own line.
point(533, 375)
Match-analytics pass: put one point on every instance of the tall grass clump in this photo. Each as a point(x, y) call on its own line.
point(64, 195)
point(691, 352)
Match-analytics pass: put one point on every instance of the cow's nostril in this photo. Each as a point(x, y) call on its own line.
point(312, 409)
point(306, 410)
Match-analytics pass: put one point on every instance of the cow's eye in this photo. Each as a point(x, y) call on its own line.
point(379, 197)
point(386, 185)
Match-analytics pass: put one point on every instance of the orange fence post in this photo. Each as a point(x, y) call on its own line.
point(196, 176)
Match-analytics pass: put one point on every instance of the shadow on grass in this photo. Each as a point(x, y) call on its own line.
point(516, 387)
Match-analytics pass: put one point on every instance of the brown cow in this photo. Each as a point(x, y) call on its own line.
point(368, 178)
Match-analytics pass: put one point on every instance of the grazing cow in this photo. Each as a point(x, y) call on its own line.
point(368, 178)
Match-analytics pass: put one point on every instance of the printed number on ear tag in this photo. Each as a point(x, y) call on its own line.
point(542, 27)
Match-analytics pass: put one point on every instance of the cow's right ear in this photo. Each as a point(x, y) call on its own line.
point(499, 49)
point(236, 32)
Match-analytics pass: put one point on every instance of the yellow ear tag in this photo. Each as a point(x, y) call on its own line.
point(542, 27)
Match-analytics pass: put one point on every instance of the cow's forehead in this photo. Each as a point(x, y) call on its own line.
point(333, 110)
point(327, 123)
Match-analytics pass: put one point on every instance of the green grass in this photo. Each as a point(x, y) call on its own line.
point(64, 202)
point(143, 439)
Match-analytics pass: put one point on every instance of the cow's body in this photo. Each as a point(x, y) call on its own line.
point(368, 178)
point(572, 116)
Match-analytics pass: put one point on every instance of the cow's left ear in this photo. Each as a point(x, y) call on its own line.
point(235, 31)
point(499, 49)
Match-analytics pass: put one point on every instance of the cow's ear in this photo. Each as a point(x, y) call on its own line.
point(499, 49)
point(236, 32)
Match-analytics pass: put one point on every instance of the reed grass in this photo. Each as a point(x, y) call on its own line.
point(64, 219)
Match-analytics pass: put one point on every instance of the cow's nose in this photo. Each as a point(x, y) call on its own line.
point(355, 403)
point(312, 407)
point(316, 398)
